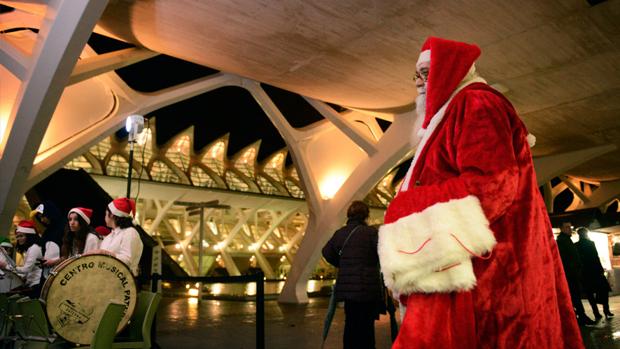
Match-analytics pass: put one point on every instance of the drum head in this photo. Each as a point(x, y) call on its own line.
point(79, 290)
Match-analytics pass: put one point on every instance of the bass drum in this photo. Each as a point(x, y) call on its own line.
point(78, 291)
point(9, 280)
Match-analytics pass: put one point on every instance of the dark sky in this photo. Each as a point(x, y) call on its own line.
point(215, 113)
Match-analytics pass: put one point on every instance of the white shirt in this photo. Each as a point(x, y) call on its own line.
point(52, 251)
point(126, 245)
point(31, 270)
point(92, 243)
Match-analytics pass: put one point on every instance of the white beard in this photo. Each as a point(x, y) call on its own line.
point(420, 105)
point(420, 109)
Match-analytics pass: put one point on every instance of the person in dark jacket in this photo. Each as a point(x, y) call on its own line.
point(594, 280)
point(572, 269)
point(353, 249)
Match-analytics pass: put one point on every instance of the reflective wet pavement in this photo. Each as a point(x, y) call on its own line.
point(606, 333)
point(231, 324)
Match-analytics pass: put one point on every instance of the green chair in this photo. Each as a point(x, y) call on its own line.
point(15, 318)
point(106, 330)
point(141, 322)
point(31, 326)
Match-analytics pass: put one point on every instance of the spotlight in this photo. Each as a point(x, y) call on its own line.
point(134, 126)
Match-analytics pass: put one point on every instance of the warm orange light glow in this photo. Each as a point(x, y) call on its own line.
point(4, 119)
point(182, 145)
point(217, 149)
point(276, 161)
point(331, 184)
point(248, 156)
point(216, 289)
point(8, 92)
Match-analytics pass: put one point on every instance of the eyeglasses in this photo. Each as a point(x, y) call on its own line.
point(422, 74)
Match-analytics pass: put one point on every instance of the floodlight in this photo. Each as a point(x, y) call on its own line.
point(134, 126)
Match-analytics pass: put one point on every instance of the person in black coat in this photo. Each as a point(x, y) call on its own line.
point(593, 275)
point(353, 249)
point(572, 269)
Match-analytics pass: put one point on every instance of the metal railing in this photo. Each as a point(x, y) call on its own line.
point(258, 278)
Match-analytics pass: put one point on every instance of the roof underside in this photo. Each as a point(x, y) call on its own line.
point(557, 61)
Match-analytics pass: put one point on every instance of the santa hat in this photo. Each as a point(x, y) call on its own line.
point(4, 242)
point(83, 212)
point(450, 62)
point(122, 207)
point(26, 227)
point(102, 230)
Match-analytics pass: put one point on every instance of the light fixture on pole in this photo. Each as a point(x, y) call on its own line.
point(134, 127)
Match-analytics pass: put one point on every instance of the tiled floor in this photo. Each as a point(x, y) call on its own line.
point(231, 325)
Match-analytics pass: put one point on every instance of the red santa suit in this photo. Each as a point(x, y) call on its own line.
point(467, 241)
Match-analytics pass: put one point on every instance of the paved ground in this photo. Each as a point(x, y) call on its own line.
point(231, 325)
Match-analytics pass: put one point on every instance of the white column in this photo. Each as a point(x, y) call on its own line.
point(62, 37)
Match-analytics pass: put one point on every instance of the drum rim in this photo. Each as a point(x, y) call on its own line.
point(52, 276)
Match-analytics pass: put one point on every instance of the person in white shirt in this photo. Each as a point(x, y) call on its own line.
point(124, 241)
point(28, 245)
point(48, 222)
point(79, 236)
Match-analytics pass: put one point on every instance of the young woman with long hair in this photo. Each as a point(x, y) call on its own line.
point(79, 236)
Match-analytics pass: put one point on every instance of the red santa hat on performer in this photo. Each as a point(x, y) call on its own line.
point(450, 63)
point(83, 212)
point(122, 207)
point(103, 230)
point(25, 227)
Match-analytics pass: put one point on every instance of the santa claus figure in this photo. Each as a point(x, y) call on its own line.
point(467, 242)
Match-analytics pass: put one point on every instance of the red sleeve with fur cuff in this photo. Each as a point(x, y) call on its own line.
point(432, 230)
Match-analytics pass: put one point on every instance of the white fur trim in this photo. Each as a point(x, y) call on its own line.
point(435, 225)
point(425, 56)
point(458, 278)
point(80, 213)
point(25, 230)
point(531, 140)
point(432, 125)
point(116, 211)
